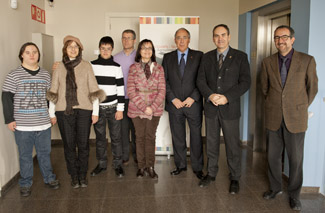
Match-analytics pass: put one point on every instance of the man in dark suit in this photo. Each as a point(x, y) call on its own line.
point(223, 77)
point(184, 102)
point(290, 84)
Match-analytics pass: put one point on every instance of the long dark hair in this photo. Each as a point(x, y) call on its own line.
point(138, 55)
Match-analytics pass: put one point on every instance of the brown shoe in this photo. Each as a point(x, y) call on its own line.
point(152, 173)
point(140, 173)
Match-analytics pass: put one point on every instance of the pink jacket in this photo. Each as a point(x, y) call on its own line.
point(143, 92)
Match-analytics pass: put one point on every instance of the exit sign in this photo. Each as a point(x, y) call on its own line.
point(38, 14)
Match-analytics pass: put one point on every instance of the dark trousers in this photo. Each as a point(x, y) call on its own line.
point(230, 129)
point(294, 145)
point(145, 131)
point(127, 127)
point(75, 130)
point(178, 130)
point(114, 127)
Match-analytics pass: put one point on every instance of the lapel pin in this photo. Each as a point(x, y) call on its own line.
point(230, 56)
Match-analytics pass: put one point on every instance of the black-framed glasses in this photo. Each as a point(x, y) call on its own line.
point(284, 38)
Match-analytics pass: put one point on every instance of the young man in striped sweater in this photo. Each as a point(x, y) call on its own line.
point(109, 77)
point(26, 114)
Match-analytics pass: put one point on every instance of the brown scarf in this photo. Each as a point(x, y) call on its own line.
point(71, 86)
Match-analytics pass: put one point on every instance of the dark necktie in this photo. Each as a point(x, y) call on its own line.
point(147, 70)
point(182, 65)
point(220, 61)
point(283, 72)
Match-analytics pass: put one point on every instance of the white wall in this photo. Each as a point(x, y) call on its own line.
point(249, 5)
point(86, 20)
point(16, 28)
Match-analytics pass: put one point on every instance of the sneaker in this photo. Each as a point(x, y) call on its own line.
point(25, 191)
point(75, 182)
point(97, 170)
point(152, 173)
point(83, 182)
point(140, 173)
point(54, 184)
point(206, 180)
point(119, 172)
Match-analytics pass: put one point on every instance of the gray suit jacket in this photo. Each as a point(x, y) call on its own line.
point(232, 81)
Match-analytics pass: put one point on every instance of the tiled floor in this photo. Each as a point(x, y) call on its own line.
point(106, 193)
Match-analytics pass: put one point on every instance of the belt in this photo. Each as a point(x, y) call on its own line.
point(108, 106)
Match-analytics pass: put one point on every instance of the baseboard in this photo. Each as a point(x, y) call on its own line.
point(13, 180)
point(8, 185)
point(309, 190)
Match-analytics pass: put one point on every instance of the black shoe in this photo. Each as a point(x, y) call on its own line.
point(152, 173)
point(206, 180)
point(83, 182)
point(295, 204)
point(119, 172)
point(234, 187)
point(97, 170)
point(75, 182)
point(54, 184)
point(177, 171)
point(140, 173)
point(271, 194)
point(199, 174)
point(25, 191)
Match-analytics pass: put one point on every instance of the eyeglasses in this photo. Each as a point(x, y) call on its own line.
point(146, 48)
point(127, 38)
point(73, 47)
point(284, 38)
point(179, 38)
point(106, 49)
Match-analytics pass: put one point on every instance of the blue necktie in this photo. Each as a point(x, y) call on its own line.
point(283, 72)
point(182, 65)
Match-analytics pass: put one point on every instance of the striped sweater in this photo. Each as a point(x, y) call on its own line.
point(145, 92)
point(109, 77)
point(28, 105)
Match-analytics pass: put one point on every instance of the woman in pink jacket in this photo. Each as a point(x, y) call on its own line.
point(146, 90)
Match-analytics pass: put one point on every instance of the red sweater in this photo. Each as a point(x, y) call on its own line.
point(143, 93)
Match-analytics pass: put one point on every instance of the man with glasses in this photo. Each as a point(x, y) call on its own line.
point(110, 79)
point(289, 82)
point(126, 58)
point(184, 102)
point(224, 76)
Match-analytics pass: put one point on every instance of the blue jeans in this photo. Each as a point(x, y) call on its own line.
point(25, 141)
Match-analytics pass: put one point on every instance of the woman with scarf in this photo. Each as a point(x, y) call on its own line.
point(146, 89)
point(74, 103)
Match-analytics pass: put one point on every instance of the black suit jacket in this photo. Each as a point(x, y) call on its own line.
point(178, 87)
point(232, 81)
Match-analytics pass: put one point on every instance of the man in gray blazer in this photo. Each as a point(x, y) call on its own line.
point(290, 84)
point(184, 102)
point(224, 76)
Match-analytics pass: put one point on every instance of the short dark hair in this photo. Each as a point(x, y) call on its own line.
point(65, 46)
point(221, 25)
point(22, 50)
point(291, 30)
point(106, 40)
point(130, 31)
point(182, 28)
point(138, 55)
